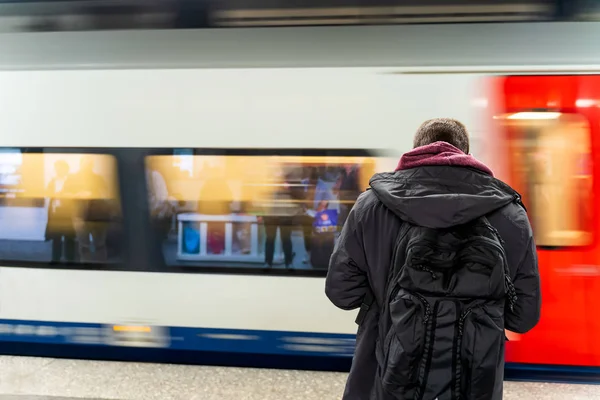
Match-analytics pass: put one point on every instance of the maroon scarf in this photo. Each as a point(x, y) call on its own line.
point(440, 153)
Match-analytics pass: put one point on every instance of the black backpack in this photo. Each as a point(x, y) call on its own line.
point(441, 329)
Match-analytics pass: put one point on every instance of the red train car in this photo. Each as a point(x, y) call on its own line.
point(545, 142)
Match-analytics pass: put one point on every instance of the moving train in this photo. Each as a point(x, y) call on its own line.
point(167, 177)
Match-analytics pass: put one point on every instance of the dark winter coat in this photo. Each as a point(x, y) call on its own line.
point(436, 194)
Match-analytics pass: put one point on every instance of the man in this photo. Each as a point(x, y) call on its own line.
point(403, 348)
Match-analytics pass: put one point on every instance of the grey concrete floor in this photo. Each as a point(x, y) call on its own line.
point(24, 378)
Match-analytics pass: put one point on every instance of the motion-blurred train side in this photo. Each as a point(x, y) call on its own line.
point(168, 181)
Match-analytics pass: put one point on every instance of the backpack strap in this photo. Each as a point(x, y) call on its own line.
point(510, 287)
point(369, 298)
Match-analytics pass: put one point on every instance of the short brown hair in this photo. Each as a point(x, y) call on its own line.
point(443, 130)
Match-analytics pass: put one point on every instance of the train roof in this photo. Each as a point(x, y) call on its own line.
point(431, 48)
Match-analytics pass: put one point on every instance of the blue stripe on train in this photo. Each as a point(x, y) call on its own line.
point(229, 347)
point(179, 338)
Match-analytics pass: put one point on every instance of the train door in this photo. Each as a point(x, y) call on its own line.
point(546, 135)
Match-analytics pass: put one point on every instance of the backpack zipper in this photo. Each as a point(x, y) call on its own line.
point(425, 364)
point(458, 377)
point(426, 316)
point(421, 298)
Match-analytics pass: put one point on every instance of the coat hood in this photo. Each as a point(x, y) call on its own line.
point(443, 188)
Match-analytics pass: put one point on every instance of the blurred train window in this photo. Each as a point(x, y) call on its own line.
point(59, 208)
point(236, 13)
point(252, 211)
point(550, 158)
point(587, 10)
point(78, 15)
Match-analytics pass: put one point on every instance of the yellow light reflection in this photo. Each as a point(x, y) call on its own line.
point(125, 328)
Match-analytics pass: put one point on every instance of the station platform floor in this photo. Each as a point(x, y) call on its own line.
point(27, 378)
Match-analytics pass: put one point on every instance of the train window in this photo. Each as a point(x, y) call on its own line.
point(252, 211)
point(550, 159)
point(59, 208)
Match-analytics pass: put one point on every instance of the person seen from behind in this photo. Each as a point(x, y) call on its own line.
point(440, 257)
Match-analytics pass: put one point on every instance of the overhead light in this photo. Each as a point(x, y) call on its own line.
point(586, 102)
point(534, 115)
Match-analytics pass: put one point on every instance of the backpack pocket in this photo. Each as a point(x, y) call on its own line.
point(481, 355)
point(404, 343)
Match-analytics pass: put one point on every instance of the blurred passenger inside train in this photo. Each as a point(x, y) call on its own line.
point(162, 205)
point(281, 213)
point(349, 190)
point(326, 211)
point(241, 240)
point(306, 219)
point(463, 268)
point(93, 213)
point(59, 229)
point(326, 191)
